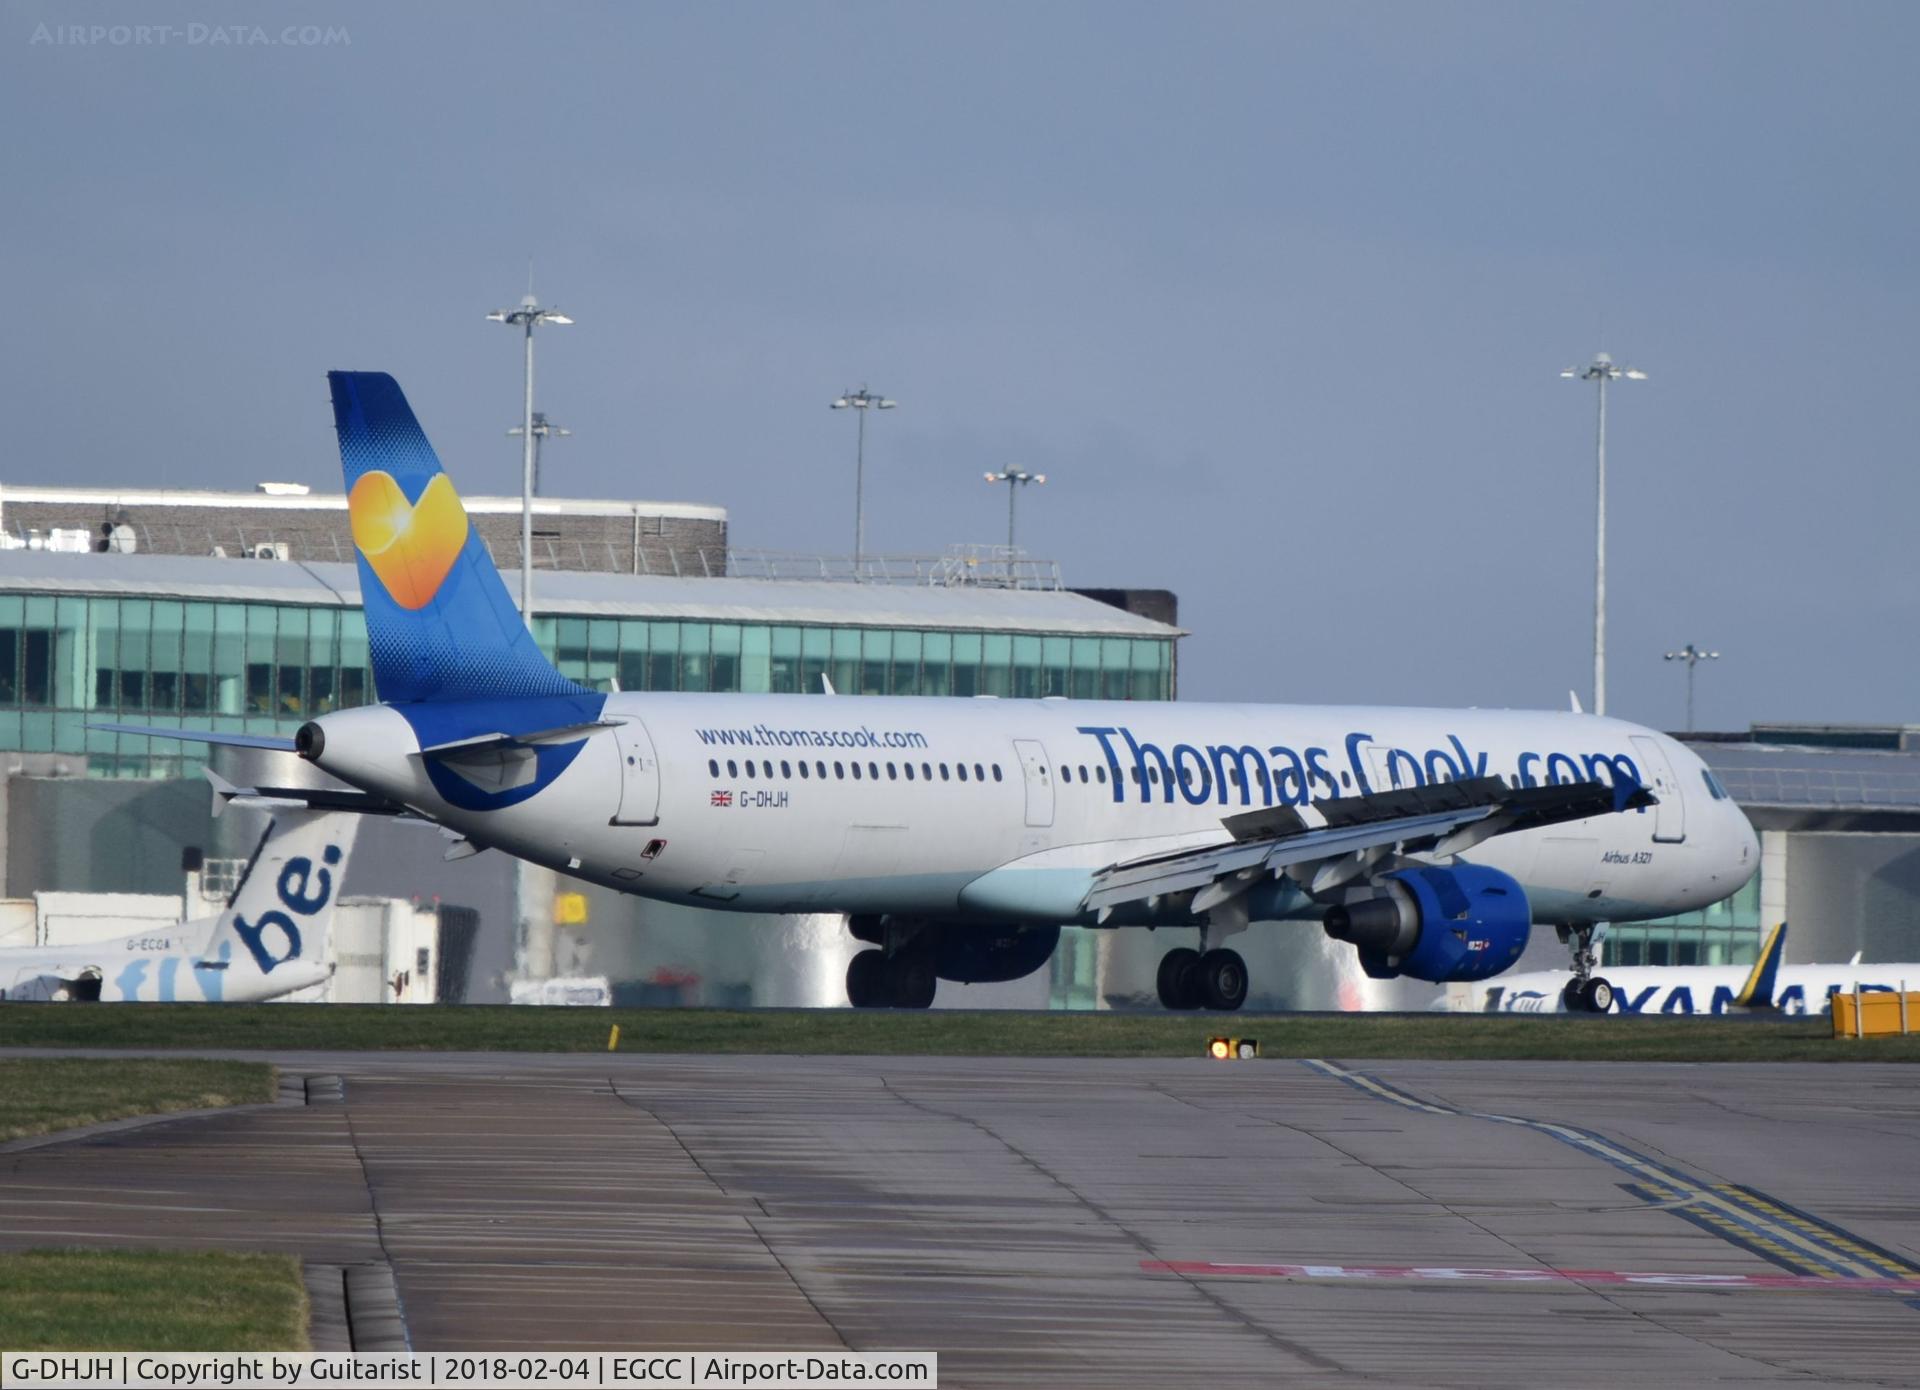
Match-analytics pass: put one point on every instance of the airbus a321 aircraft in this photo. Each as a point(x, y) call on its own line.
point(271, 939)
point(959, 835)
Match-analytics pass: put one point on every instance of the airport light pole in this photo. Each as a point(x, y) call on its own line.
point(1693, 656)
point(527, 317)
point(861, 400)
point(1015, 479)
point(543, 429)
point(1600, 371)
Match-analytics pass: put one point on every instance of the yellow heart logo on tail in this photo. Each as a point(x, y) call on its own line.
point(411, 546)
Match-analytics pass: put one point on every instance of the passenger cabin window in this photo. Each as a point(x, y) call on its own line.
point(713, 767)
point(733, 768)
point(1100, 775)
point(996, 772)
point(980, 773)
point(856, 771)
point(943, 773)
point(749, 768)
point(803, 771)
point(820, 771)
point(926, 771)
point(963, 770)
point(893, 774)
point(786, 768)
point(839, 772)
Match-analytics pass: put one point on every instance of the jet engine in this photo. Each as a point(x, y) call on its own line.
point(1436, 924)
point(987, 955)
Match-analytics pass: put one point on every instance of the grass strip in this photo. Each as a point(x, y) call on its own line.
point(151, 1300)
point(41, 1094)
point(941, 1032)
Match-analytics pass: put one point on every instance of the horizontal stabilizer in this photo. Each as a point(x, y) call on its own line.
point(225, 793)
point(272, 742)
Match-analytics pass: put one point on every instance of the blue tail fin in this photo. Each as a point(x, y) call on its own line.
point(439, 620)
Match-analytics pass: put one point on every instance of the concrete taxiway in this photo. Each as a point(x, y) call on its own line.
point(1072, 1222)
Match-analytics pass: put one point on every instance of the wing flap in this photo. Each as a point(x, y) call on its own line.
point(1446, 818)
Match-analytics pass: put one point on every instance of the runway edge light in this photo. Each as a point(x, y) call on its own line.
point(1233, 1049)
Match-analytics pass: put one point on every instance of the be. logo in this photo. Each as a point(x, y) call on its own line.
point(303, 891)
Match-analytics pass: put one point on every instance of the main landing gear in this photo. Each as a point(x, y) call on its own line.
point(903, 982)
point(1191, 979)
point(1586, 992)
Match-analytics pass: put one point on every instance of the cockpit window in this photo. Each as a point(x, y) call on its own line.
point(1714, 789)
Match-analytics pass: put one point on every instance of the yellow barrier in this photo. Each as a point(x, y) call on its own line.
point(1875, 1015)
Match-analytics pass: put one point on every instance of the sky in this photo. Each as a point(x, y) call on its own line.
point(1277, 295)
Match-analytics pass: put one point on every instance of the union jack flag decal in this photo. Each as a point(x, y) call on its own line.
point(723, 798)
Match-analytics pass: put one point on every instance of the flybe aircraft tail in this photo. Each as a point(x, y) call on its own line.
point(282, 911)
point(440, 622)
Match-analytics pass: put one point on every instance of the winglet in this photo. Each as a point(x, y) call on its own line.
point(1757, 992)
point(1573, 701)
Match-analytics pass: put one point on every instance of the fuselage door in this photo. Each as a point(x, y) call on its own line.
point(1037, 772)
point(639, 775)
point(1670, 816)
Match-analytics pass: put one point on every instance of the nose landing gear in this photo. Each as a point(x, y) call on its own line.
point(1586, 992)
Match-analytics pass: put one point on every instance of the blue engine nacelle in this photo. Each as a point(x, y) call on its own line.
point(1435, 924)
point(991, 954)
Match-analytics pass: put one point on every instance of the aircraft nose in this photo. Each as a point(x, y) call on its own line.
point(1747, 840)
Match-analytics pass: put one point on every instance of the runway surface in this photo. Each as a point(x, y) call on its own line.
point(1074, 1222)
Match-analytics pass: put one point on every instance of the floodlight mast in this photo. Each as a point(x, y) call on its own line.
point(528, 316)
point(1015, 479)
point(861, 401)
point(1600, 371)
point(1693, 656)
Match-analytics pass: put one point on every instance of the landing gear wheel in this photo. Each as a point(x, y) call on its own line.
point(1596, 996)
point(1178, 981)
point(913, 982)
point(1223, 980)
point(1570, 999)
point(867, 984)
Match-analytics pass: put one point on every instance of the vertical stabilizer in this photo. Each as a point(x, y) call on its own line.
point(1757, 992)
point(440, 622)
point(282, 910)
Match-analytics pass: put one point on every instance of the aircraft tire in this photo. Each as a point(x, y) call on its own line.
point(867, 981)
point(1597, 995)
point(1571, 998)
point(913, 981)
point(1178, 980)
point(1222, 977)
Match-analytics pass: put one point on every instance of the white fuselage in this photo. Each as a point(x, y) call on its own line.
point(782, 803)
point(166, 965)
point(1692, 989)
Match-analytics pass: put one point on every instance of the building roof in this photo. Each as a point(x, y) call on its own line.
point(1787, 787)
point(580, 594)
point(108, 498)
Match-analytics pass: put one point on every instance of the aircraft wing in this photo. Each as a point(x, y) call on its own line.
point(1444, 819)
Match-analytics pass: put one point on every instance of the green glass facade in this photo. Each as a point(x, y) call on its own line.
point(66, 661)
point(1727, 933)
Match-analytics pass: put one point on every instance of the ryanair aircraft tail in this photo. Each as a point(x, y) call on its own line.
point(440, 622)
